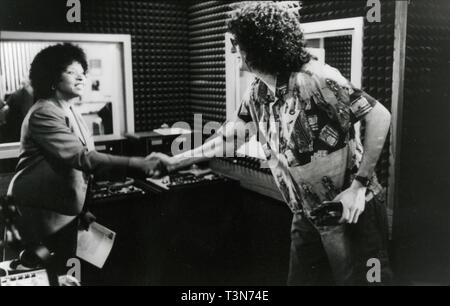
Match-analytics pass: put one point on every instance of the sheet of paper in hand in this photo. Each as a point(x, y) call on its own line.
point(95, 244)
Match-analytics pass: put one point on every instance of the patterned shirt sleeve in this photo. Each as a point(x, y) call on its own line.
point(359, 102)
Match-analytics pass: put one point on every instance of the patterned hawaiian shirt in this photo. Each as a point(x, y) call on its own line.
point(316, 118)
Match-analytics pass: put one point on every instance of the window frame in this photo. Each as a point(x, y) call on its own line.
point(339, 27)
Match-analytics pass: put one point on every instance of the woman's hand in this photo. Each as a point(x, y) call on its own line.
point(353, 200)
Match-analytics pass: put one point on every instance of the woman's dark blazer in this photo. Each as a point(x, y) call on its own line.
point(54, 166)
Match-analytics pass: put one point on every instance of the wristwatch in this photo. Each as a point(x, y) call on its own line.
point(363, 180)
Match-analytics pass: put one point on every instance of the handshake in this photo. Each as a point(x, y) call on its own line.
point(154, 165)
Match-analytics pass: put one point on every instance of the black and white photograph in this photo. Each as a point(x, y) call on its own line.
point(224, 148)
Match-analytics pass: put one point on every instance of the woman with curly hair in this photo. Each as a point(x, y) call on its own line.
point(58, 157)
point(305, 113)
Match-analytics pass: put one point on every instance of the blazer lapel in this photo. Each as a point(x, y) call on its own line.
point(73, 127)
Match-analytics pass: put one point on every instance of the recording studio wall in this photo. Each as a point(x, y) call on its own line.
point(159, 34)
point(421, 218)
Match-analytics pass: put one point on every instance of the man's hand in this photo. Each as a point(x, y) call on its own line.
point(165, 162)
point(353, 200)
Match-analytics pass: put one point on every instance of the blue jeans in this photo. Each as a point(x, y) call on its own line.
point(329, 255)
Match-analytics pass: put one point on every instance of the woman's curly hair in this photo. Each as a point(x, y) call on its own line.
point(48, 66)
point(271, 36)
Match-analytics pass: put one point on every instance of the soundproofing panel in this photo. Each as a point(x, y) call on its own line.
point(421, 226)
point(338, 53)
point(207, 27)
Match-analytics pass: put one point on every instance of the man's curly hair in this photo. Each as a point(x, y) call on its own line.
point(271, 36)
point(48, 66)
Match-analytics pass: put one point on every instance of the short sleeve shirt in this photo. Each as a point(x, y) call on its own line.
point(315, 119)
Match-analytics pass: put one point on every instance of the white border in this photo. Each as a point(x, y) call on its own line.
point(11, 150)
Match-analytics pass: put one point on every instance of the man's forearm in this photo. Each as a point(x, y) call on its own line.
point(209, 149)
point(219, 145)
point(377, 126)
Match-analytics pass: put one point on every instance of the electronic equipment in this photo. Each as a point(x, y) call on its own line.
point(27, 270)
point(28, 278)
point(107, 189)
point(21, 277)
point(18, 272)
point(192, 177)
point(158, 140)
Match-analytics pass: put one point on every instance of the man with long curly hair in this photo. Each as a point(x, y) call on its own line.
point(305, 113)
